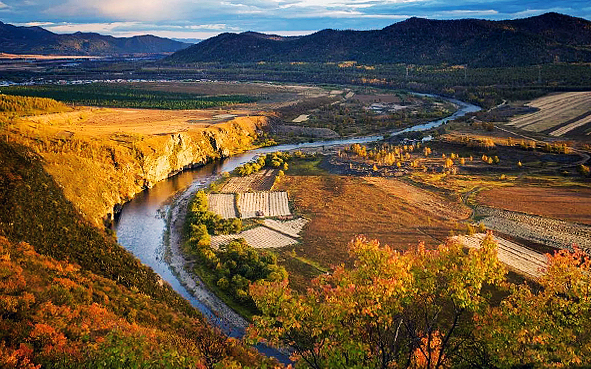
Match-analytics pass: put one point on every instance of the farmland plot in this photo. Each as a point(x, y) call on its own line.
point(550, 232)
point(260, 181)
point(291, 227)
point(558, 114)
point(222, 204)
point(259, 238)
point(270, 204)
point(516, 257)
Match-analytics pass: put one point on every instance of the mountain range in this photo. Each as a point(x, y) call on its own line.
point(37, 40)
point(547, 38)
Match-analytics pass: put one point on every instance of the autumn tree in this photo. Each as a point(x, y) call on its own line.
point(390, 309)
point(544, 325)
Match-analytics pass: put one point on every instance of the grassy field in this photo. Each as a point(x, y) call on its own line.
point(341, 207)
point(104, 156)
point(572, 204)
point(558, 114)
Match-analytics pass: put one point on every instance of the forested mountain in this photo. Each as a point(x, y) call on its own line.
point(36, 40)
point(542, 39)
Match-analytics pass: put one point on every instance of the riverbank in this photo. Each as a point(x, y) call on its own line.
point(228, 319)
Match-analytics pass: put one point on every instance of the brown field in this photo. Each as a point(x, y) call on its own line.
point(97, 122)
point(419, 199)
point(561, 203)
point(518, 258)
point(558, 113)
point(342, 207)
point(260, 181)
point(258, 237)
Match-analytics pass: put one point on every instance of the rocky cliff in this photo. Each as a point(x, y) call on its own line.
point(99, 174)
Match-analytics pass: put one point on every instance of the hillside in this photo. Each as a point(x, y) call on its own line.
point(121, 152)
point(36, 40)
point(72, 297)
point(542, 39)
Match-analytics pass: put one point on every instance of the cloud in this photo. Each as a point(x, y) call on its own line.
point(3, 6)
point(469, 13)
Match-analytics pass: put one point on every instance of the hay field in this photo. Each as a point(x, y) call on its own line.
point(341, 207)
point(571, 204)
point(559, 114)
point(271, 204)
point(291, 228)
point(518, 258)
point(101, 122)
point(260, 181)
point(420, 199)
point(550, 232)
point(222, 204)
point(259, 238)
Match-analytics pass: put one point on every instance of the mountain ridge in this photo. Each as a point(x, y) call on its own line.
point(477, 42)
point(37, 40)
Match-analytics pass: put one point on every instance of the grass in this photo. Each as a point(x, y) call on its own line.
point(341, 208)
point(116, 161)
point(306, 167)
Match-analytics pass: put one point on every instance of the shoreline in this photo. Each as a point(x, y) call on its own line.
point(223, 316)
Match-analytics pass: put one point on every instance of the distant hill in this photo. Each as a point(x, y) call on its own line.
point(542, 39)
point(36, 40)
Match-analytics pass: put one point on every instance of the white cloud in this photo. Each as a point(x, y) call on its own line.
point(469, 13)
point(3, 6)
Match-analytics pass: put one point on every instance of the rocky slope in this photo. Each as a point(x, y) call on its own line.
point(100, 174)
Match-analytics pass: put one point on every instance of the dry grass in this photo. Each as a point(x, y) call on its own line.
point(561, 203)
point(106, 122)
point(102, 157)
point(260, 181)
point(555, 110)
point(342, 207)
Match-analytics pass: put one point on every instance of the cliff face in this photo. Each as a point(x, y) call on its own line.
point(97, 175)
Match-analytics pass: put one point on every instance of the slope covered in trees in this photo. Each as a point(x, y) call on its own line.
point(77, 298)
point(431, 309)
point(36, 40)
point(536, 40)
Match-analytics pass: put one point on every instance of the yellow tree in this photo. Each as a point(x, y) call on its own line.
point(390, 309)
point(547, 324)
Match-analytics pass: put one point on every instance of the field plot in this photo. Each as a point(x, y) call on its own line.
point(420, 199)
point(260, 181)
point(550, 232)
point(259, 238)
point(571, 204)
point(291, 227)
point(268, 204)
point(558, 114)
point(222, 204)
point(518, 258)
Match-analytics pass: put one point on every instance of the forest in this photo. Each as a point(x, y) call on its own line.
point(118, 96)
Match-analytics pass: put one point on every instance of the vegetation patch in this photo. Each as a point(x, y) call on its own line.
point(126, 96)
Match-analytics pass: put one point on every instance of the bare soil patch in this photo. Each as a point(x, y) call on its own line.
point(550, 232)
point(518, 258)
point(260, 181)
point(342, 207)
point(561, 203)
point(554, 111)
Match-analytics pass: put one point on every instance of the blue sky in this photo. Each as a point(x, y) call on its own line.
point(205, 18)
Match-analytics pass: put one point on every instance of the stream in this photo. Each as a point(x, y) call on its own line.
point(142, 225)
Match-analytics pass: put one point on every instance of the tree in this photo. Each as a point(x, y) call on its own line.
point(546, 325)
point(390, 309)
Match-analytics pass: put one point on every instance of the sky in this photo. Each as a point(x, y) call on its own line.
point(201, 19)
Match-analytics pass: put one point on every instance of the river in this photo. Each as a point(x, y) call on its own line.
point(141, 225)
